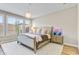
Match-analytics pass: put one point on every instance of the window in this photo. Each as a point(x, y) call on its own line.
point(1, 25)
point(12, 25)
point(19, 27)
point(27, 23)
point(11, 21)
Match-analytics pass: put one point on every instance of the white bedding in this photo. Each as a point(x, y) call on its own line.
point(23, 38)
point(38, 37)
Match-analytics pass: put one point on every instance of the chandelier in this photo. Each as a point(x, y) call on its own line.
point(28, 14)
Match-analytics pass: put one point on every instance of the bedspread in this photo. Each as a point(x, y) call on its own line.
point(38, 37)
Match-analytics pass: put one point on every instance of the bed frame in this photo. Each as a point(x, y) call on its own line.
point(23, 40)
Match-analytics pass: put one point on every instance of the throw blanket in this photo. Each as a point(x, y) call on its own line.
point(38, 37)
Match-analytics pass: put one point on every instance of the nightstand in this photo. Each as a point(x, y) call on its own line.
point(57, 39)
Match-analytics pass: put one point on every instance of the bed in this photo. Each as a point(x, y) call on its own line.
point(33, 41)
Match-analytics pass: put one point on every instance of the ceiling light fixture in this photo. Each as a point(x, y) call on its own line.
point(28, 14)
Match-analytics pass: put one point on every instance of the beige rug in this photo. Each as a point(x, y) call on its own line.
point(13, 48)
point(1, 51)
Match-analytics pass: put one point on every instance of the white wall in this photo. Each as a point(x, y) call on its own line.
point(66, 19)
point(78, 25)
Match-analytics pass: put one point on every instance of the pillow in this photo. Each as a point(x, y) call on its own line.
point(30, 30)
point(38, 31)
point(44, 31)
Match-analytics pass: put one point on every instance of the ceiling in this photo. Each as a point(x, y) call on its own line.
point(37, 9)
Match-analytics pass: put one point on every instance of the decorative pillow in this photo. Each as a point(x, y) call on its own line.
point(34, 30)
point(44, 30)
point(30, 30)
point(38, 31)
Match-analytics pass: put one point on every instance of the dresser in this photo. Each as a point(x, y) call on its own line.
point(57, 39)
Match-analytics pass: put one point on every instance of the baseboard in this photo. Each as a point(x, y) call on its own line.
point(71, 45)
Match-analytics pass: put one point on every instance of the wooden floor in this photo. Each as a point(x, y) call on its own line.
point(69, 50)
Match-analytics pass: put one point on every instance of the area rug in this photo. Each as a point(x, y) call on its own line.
point(1, 51)
point(13, 48)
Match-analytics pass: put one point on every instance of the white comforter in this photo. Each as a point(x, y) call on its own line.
point(38, 37)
